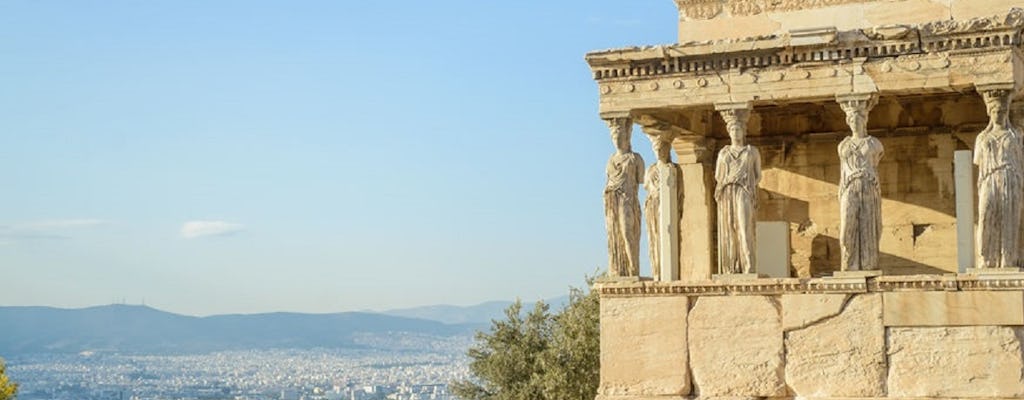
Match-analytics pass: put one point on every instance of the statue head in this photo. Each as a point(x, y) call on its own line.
point(997, 102)
point(662, 148)
point(736, 124)
point(621, 130)
point(857, 115)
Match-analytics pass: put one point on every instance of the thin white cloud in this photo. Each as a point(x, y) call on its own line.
point(60, 224)
point(198, 229)
point(50, 229)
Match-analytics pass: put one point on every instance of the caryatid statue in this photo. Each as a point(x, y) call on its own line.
point(999, 155)
point(662, 175)
point(737, 174)
point(625, 172)
point(860, 195)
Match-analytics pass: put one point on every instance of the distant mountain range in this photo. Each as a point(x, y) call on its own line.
point(145, 330)
point(478, 314)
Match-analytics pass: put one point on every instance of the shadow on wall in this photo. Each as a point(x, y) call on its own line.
point(919, 135)
point(825, 258)
point(814, 244)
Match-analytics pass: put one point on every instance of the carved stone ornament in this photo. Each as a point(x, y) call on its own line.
point(860, 195)
point(1013, 20)
point(737, 174)
point(999, 155)
point(754, 7)
point(699, 9)
point(625, 172)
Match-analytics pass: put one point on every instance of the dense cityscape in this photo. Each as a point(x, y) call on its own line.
point(394, 367)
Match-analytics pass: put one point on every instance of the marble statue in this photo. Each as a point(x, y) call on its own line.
point(625, 172)
point(655, 176)
point(999, 153)
point(860, 196)
point(737, 173)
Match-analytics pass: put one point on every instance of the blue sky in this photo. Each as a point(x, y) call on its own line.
point(247, 156)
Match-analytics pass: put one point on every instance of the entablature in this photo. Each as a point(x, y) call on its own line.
point(814, 65)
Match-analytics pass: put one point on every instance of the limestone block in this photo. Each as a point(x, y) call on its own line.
point(643, 346)
point(736, 347)
point(836, 348)
point(953, 308)
point(961, 362)
point(696, 245)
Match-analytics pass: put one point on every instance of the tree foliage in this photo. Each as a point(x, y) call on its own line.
point(539, 356)
point(7, 388)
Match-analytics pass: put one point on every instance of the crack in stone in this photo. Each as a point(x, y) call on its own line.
point(825, 318)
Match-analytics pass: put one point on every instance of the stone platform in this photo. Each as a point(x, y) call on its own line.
point(888, 337)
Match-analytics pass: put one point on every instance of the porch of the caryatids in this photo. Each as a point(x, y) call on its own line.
point(625, 173)
point(737, 174)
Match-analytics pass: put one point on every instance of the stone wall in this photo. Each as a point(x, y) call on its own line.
point(952, 337)
point(706, 20)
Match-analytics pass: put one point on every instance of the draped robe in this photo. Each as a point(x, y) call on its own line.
point(998, 153)
point(860, 203)
point(622, 213)
point(737, 173)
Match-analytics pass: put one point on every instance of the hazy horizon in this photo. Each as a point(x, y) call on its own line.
point(315, 156)
point(273, 311)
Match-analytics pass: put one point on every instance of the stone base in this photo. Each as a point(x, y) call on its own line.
point(737, 277)
point(896, 337)
point(992, 271)
point(615, 279)
point(857, 274)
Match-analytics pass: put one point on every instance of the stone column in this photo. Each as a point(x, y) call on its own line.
point(696, 242)
point(737, 174)
point(860, 195)
point(663, 183)
point(624, 172)
point(999, 155)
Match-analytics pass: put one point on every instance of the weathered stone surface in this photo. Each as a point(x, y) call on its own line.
point(801, 310)
point(701, 20)
point(625, 173)
point(737, 173)
point(841, 355)
point(999, 155)
point(964, 362)
point(953, 308)
point(643, 346)
point(736, 347)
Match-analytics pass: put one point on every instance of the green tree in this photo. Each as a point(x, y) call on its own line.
point(506, 361)
point(7, 388)
point(572, 361)
point(541, 356)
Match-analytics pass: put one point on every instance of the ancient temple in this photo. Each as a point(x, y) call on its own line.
point(835, 207)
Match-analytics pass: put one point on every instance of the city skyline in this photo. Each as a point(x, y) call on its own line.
point(256, 156)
